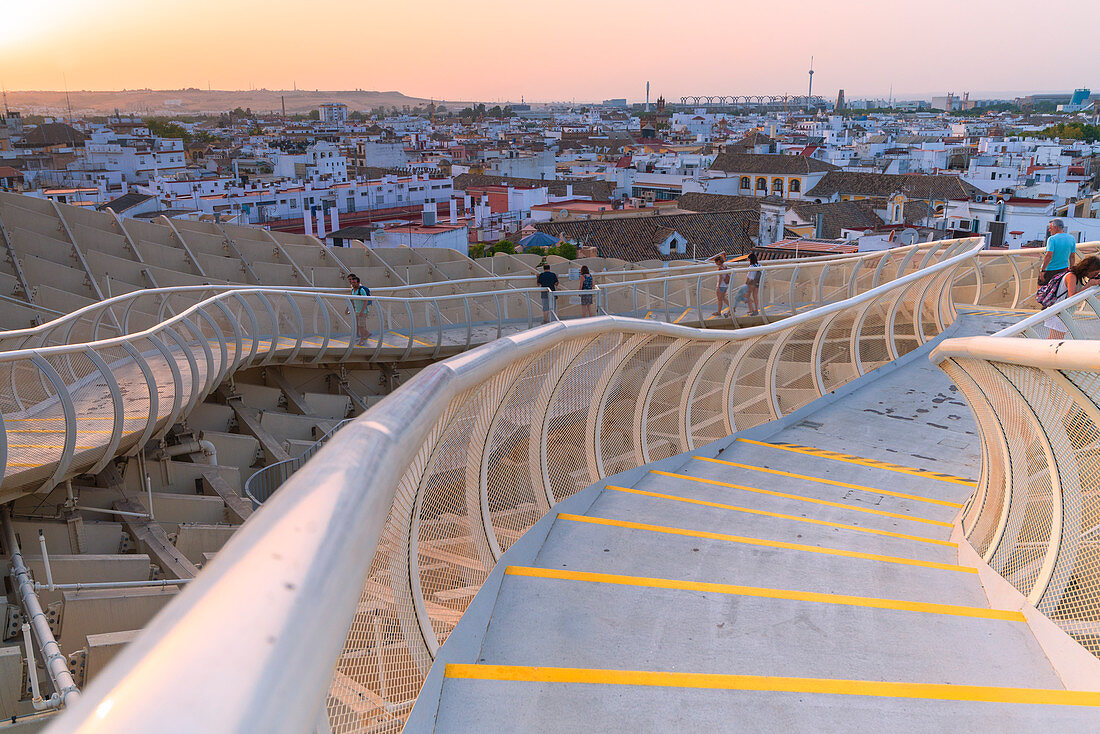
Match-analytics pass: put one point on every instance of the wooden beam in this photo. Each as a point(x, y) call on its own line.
point(152, 539)
point(295, 398)
point(236, 506)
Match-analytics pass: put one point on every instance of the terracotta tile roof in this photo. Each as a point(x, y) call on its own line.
point(839, 215)
point(700, 202)
point(636, 238)
point(52, 133)
point(915, 186)
point(768, 164)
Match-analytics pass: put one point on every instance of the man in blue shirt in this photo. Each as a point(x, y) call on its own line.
point(1061, 252)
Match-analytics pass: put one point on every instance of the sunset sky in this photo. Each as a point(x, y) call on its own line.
point(590, 49)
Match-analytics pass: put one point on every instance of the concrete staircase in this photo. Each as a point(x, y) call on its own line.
point(773, 584)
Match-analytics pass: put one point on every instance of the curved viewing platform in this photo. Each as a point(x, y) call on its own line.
point(644, 519)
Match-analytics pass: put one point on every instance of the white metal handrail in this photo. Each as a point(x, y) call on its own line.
point(364, 559)
point(660, 292)
point(61, 329)
point(1036, 401)
point(75, 392)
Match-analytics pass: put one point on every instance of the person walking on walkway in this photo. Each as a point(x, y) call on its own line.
point(1072, 282)
point(361, 306)
point(587, 284)
point(752, 280)
point(1061, 252)
point(723, 283)
point(548, 280)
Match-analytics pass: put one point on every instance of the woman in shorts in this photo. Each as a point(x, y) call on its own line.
point(586, 285)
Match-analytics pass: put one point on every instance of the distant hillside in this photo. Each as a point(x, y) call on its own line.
point(151, 101)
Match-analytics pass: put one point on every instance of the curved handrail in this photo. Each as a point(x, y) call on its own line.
point(166, 368)
point(97, 310)
point(1036, 401)
point(85, 324)
point(362, 562)
point(263, 482)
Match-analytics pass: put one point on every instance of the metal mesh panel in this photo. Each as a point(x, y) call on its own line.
point(665, 420)
point(873, 349)
point(710, 418)
point(906, 338)
point(452, 546)
point(1023, 543)
point(91, 402)
point(837, 365)
point(570, 454)
point(750, 398)
point(619, 431)
point(795, 368)
point(515, 494)
point(1073, 566)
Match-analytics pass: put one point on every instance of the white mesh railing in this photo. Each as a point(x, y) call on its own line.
point(684, 294)
point(73, 407)
point(1035, 517)
point(326, 609)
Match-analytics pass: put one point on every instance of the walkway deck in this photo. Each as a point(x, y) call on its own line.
point(779, 585)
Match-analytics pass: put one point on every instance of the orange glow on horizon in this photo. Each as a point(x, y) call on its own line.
point(502, 50)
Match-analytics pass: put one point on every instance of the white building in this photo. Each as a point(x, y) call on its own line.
point(321, 161)
point(136, 159)
point(442, 234)
point(334, 113)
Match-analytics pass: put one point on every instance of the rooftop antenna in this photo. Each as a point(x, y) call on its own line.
point(68, 103)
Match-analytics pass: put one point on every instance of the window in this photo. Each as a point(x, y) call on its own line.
point(796, 186)
point(777, 186)
point(762, 184)
point(746, 183)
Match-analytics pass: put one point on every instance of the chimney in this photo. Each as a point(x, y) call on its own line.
point(819, 225)
point(334, 219)
point(307, 217)
point(321, 223)
point(454, 211)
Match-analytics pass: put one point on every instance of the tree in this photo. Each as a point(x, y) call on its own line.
point(1069, 130)
point(504, 246)
point(315, 114)
point(477, 250)
point(167, 129)
point(564, 249)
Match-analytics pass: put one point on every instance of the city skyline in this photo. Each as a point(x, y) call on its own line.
point(498, 51)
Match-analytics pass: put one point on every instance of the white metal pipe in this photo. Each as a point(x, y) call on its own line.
point(45, 561)
point(32, 666)
point(107, 511)
point(56, 665)
point(109, 585)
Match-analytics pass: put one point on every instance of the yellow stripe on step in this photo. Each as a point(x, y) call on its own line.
point(775, 684)
point(768, 543)
point(954, 610)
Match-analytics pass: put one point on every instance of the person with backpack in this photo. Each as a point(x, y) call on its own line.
point(1068, 284)
point(361, 306)
point(1061, 252)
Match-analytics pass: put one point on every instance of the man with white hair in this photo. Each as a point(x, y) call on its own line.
point(1061, 252)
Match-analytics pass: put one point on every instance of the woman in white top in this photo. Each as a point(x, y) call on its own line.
point(752, 280)
point(723, 283)
point(1072, 283)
